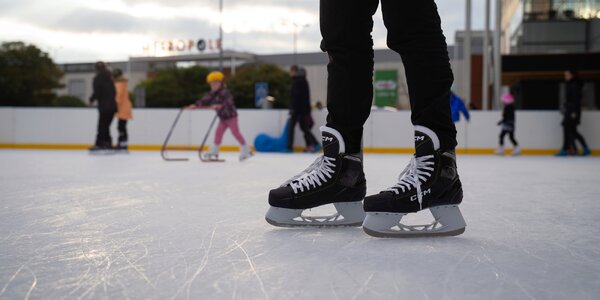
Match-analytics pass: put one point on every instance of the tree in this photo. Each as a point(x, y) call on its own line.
point(27, 76)
point(242, 84)
point(68, 101)
point(176, 87)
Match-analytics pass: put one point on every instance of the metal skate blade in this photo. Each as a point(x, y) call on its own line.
point(448, 221)
point(348, 214)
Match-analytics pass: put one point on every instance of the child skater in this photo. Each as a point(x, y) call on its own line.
point(220, 99)
point(123, 108)
point(508, 124)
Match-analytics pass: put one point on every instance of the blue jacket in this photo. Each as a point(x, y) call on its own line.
point(457, 105)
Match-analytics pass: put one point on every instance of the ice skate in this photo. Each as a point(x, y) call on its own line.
point(334, 178)
point(516, 151)
point(212, 155)
point(429, 181)
point(122, 147)
point(101, 150)
point(245, 152)
point(500, 151)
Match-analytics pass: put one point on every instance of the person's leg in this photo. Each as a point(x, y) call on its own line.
point(414, 31)
point(104, 137)
point(291, 131)
point(346, 29)
point(336, 177)
point(511, 135)
point(430, 181)
point(219, 132)
point(309, 138)
point(579, 137)
point(122, 127)
point(502, 134)
point(235, 130)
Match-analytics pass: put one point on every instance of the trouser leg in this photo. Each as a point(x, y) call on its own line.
point(414, 31)
point(291, 131)
point(103, 138)
point(346, 30)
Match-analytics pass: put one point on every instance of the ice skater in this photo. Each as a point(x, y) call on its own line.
point(220, 99)
point(430, 181)
point(123, 108)
point(457, 106)
point(300, 111)
point(103, 92)
point(508, 124)
point(572, 116)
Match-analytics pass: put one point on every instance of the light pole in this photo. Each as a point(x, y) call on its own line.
point(486, 57)
point(467, 52)
point(221, 35)
point(296, 40)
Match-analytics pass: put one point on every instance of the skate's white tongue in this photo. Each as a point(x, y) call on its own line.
point(426, 141)
point(333, 143)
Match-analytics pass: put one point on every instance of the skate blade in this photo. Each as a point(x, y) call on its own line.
point(349, 214)
point(212, 160)
point(102, 152)
point(448, 222)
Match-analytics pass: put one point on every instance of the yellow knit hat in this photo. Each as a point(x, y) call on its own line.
point(214, 76)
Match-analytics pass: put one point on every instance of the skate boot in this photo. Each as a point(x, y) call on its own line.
point(516, 151)
point(334, 178)
point(500, 150)
point(212, 155)
point(245, 152)
point(122, 146)
point(429, 181)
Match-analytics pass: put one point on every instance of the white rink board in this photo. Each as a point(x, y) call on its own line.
point(383, 129)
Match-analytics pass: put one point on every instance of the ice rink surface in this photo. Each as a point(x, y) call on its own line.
point(135, 227)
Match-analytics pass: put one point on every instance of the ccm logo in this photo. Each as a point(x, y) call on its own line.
point(327, 139)
point(423, 193)
point(419, 138)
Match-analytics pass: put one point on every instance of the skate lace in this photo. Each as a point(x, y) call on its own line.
point(307, 170)
point(418, 170)
point(316, 174)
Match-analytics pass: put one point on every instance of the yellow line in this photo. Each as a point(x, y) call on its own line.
point(470, 151)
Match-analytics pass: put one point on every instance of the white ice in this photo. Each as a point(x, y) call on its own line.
point(133, 226)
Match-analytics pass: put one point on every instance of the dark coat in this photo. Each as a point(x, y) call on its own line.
point(104, 91)
point(572, 108)
point(300, 101)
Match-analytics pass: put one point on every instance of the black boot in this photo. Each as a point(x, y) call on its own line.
point(335, 177)
point(429, 181)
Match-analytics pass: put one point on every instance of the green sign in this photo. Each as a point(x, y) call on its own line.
point(386, 88)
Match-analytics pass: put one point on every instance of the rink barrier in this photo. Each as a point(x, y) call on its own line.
point(408, 151)
point(538, 132)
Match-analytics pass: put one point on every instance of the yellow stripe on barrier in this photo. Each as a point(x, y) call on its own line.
point(462, 151)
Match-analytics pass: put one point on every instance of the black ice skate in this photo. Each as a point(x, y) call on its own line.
point(335, 177)
point(429, 181)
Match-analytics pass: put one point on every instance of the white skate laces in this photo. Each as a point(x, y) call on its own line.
point(316, 174)
point(418, 170)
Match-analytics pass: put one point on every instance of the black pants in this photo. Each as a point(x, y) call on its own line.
point(571, 135)
point(122, 127)
point(414, 31)
point(511, 135)
point(309, 138)
point(103, 136)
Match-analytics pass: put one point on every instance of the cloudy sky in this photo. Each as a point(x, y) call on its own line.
point(89, 30)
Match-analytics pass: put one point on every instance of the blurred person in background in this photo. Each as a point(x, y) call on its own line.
point(457, 106)
point(508, 124)
point(572, 116)
point(300, 110)
point(220, 99)
point(104, 92)
point(123, 106)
